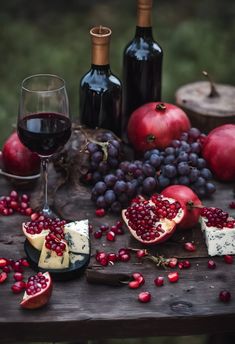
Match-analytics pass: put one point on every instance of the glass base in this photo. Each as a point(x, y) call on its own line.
point(47, 212)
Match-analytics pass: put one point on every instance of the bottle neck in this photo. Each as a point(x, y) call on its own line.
point(144, 32)
point(100, 54)
point(144, 13)
point(101, 68)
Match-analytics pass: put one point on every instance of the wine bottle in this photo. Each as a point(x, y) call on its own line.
point(100, 90)
point(142, 65)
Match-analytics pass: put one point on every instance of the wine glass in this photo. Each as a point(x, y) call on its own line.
point(43, 120)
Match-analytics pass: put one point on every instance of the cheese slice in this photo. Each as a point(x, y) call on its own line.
point(50, 260)
point(36, 240)
point(77, 236)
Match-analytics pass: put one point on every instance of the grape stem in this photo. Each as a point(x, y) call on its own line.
point(213, 92)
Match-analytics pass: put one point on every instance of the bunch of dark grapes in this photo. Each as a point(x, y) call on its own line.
point(104, 154)
point(181, 163)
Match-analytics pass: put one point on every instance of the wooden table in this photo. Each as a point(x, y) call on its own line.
point(79, 310)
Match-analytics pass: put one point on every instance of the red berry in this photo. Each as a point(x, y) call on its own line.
point(159, 281)
point(173, 277)
point(3, 276)
point(189, 246)
point(134, 284)
point(100, 212)
point(211, 264)
point(228, 259)
point(141, 253)
point(224, 296)
point(144, 297)
point(98, 234)
point(18, 276)
point(110, 236)
point(3, 262)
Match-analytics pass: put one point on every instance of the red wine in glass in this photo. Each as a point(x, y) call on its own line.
point(45, 132)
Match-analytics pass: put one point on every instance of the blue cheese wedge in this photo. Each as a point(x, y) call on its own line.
point(77, 236)
point(219, 241)
point(74, 257)
point(50, 260)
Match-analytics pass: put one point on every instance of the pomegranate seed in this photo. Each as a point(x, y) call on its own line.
point(17, 267)
point(14, 195)
point(134, 284)
point(104, 228)
point(104, 261)
point(124, 257)
point(5, 212)
point(189, 246)
point(138, 277)
point(159, 281)
point(3, 262)
point(23, 205)
point(180, 265)
point(228, 259)
point(119, 224)
point(18, 287)
point(100, 212)
point(6, 269)
point(144, 297)
point(172, 262)
point(211, 264)
point(112, 257)
point(14, 205)
point(98, 234)
point(18, 276)
point(113, 229)
point(186, 264)
point(25, 198)
point(99, 256)
point(173, 277)
point(232, 205)
point(34, 216)
point(24, 262)
point(122, 251)
point(141, 253)
point(110, 236)
point(28, 211)
point(224, 296)
point(3, 276)
point(119, 231)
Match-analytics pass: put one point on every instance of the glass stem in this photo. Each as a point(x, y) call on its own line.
point(44, 163)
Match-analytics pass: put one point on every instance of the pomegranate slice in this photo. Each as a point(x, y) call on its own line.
point(153, 221)
point(38, 291)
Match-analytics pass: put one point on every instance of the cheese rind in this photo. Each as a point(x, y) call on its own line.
point(219, 241)
point(50, 260)
point(77, 236)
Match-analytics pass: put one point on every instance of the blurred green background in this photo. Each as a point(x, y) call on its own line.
point(53, 37)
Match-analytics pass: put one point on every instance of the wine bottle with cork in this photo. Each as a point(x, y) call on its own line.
point(142, 65)
point(100, 90)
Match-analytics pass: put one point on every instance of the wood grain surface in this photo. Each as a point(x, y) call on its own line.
point(80, 310)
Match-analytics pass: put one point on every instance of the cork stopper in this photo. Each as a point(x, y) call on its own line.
point(100, 40)
point(144, 11)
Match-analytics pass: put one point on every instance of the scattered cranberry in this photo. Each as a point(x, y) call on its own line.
point(3, 262)
point(159, 281)
point(18, 287)
point(189, 246)
point(134, 284)
point(100, 212)
point(173, 277)
point(98, 234)
point(211, 264)
point(228, 259)
point(172, 262)
point(224, 296)
point(144, 297)
point(3, 276)
point(141, 253)
point(110, 236)
point(18, 276)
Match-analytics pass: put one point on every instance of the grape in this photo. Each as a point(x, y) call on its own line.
point(96, 176)
point(103, 167)
point(155, 160)
point(195, 147)
point(147, 155)
point(119, 187)
point(193, 158)
point(183, 156)
point(155, 151)
point(169, 159)
point(135, 184)
point(183, 168)
point(175, 143)
point(100, 202)
point(201, 191)
point(184, 137)
point(110, 180)
point(124, 166)
point(140, 179)
point(170, 151)
point(92, 147)
point(94, 194)
point(109, 197)
point(185, 147)
point(112, 151)
point(149, 185)
point(100, 187)
point(116, 207)
point(201, 163)
point(163, 181)
point(200, 182)
point(131, 188)
point(169, 171)
point(113, 162)
point(206, 173)
point(138, 163)
point(116, 144)
point(210, 188)
point(138, 172)
point(120, 174)
point(106, 137)
point(148, 170)
point(184, 180)
point(132, 168)
point(97, 156)
point(194, 174)
point(94, 165)
point(194, 133)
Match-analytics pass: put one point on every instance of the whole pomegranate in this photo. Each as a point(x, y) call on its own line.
point(17, 159)
point(189, 202)
point(219, 150)
point(155, 125)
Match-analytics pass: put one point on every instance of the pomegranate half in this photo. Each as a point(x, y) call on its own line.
point(155, 125)
point(152, 221)
point(219, 150)
point(38, 291)
point(189, 202)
